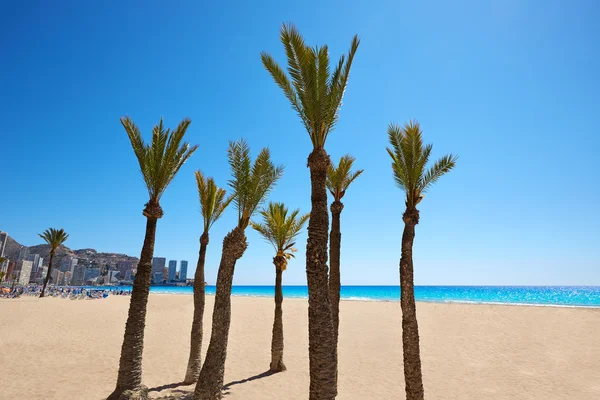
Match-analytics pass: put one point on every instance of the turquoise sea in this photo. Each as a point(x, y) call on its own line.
point(580, 296)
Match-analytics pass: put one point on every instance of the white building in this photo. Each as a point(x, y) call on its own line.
point(24, 268)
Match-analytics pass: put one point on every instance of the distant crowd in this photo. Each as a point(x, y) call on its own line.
point(73, 293)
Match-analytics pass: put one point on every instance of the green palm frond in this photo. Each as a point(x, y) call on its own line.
point(163, 157)
point(314, 92)
point(280, 227)
point(251, 183)
point(213, 199)
point(409, 161)
point(54, 238)
point(339, 178)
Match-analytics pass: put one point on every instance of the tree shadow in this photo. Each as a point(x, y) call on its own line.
point(165, 387)
point(227, 386)
point(177, 394)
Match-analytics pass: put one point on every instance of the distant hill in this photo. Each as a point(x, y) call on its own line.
point(89, 257)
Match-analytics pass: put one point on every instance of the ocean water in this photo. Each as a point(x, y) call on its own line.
point(580, 296)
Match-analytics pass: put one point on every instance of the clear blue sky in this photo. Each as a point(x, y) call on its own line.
point(512, 86)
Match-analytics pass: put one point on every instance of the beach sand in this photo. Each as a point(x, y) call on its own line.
point(69, 349)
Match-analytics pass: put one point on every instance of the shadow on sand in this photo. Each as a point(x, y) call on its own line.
point(179, 394)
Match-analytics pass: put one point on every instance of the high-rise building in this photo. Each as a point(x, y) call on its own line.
point(78, 275)
point(68, 278)
point(125, 268)
point(23, 253)
point(158, 267)
point(10, 269)
point(3, 240)
point(172, 270)
point(68, 263)
point(183, 270)
point(24, 271)
point(35, 259)
point(91, 273)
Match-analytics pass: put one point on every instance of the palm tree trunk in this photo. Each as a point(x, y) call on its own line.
point(47, 274)
point(321, 344)
point(334, 270)
point(129, 381)
point(195, 360)
point(277, 364)
point(410, 329)
point(211, 377)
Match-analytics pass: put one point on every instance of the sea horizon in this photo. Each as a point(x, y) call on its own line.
point(540, 295)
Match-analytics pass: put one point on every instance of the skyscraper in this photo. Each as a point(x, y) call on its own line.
point(172, 270)
point(125, 268)
point(68, 263)
point(78, 275)
point(183, 270)
point(158, 266)
point(23, 253)
point(3, 239)
point(35, 259)
point(24, 271)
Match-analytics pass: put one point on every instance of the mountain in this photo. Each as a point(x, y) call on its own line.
point(88, 257)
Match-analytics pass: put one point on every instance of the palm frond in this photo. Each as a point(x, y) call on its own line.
point(339, 178)
point(54, 237)
point(439, 168)
point(251, 183)
point(280, 227)
point(161, 159)
point(409, 160)
point(313, 90)
point(213, 200)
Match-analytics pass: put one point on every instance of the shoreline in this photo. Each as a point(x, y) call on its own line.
point(366, 300)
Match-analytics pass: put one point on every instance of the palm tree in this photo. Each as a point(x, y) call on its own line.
point(159, 162)
point(54, 238)
point(315, 93)
point(279, 229)
point(213, 202)
point(409, 162)
point(338, 180)
point(250, 184)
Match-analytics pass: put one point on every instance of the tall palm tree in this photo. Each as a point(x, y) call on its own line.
point(251, 183)
point(279, 229)
point(159, 160)
point(315, 93)
point(213, 202)
point(338, 180)
point(409, 162)
point(54, 238)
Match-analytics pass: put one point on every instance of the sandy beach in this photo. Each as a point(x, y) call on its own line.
point(69, 349)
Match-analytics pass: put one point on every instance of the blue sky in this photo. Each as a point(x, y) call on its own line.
point(511, 86)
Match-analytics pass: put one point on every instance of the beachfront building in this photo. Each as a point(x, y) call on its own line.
point(91, 274)
point(183, 270)
point(78, 275)
point(68, 264)
point(36, 261)
point(158, 268)
point(3, 240)
point(172, 270)
point(23, 271)
point(23, 253)
point(125, 268)
point(10, 269)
